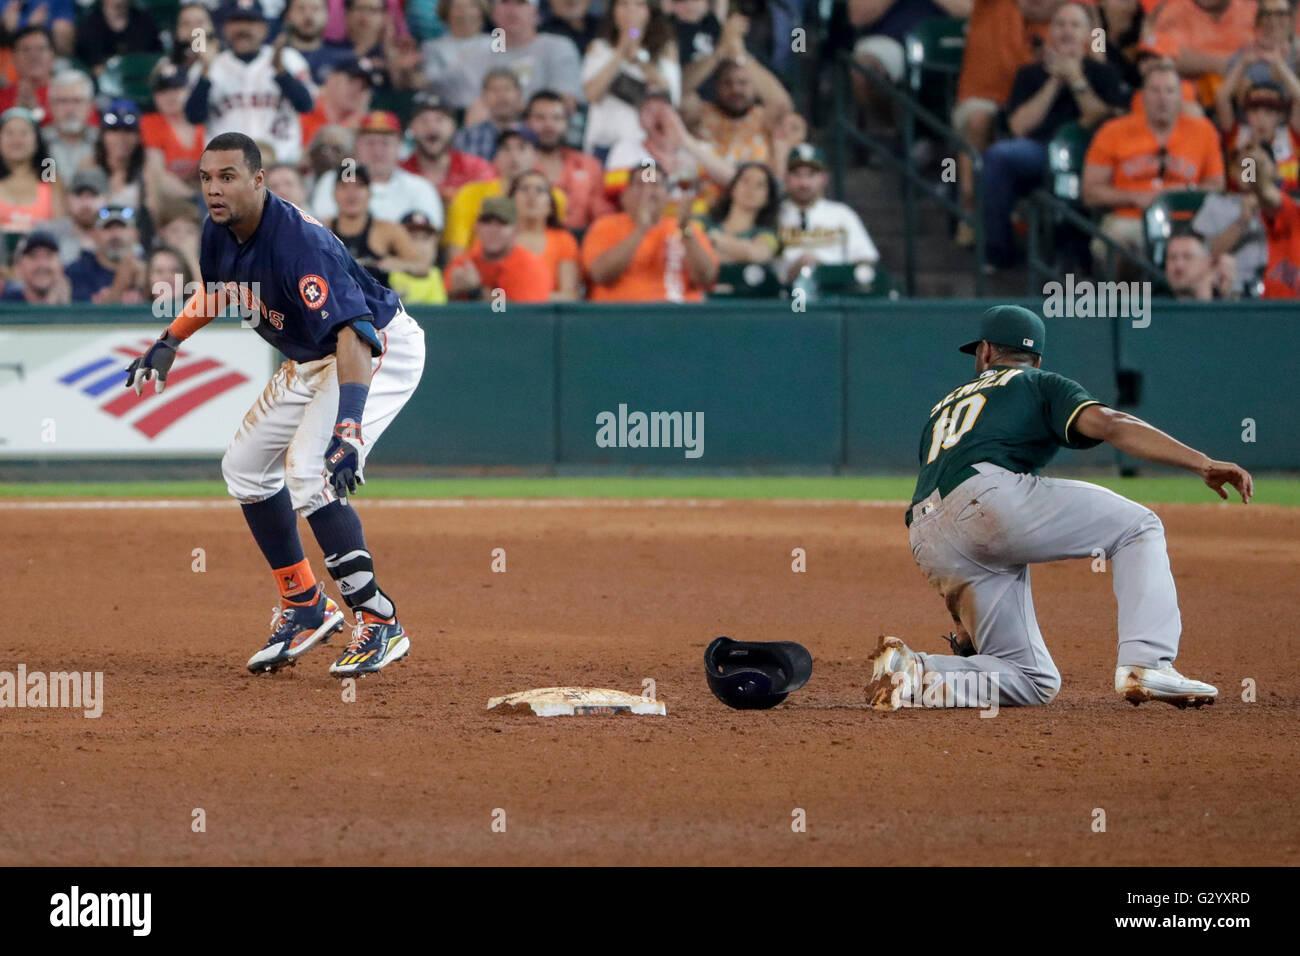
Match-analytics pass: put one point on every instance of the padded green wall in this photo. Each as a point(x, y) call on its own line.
point(848, 384)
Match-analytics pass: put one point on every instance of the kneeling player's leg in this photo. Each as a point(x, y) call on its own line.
point(1059, 518)
point(996, 608)
point(1011, 657)
point(254, 469)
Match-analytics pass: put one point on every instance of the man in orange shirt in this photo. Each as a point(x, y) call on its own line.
point(1134, 158)
point(1149, 53)
point(639, 256)
point(495, 265)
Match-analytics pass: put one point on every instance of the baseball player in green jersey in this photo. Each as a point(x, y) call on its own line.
point(980, 516)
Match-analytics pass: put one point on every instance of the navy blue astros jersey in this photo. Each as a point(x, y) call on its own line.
point(298, 282)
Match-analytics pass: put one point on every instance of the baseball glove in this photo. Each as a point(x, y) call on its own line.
point(961, 644)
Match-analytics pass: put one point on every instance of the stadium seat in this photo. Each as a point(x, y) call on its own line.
point(1170, 211)
point(854, 280)
point(936, 45)
point(1065, 153)
point(127, 76)
point(746, 280)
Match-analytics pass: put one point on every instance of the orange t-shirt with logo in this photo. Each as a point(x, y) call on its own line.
point(1127, 147)
point(657, 272)
point(522, 275)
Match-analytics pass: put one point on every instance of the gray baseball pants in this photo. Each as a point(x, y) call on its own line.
point(976, 546)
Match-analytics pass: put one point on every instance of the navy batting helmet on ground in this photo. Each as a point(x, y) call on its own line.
point(755, 675)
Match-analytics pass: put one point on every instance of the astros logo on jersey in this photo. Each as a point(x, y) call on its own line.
point(313, 290)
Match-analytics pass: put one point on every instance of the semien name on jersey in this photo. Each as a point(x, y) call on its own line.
point(987, 381)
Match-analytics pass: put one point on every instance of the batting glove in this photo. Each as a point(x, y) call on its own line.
point(343, 459)
point(155, 363)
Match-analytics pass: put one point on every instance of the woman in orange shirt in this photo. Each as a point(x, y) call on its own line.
point(539, 231)
point(26, 199)
point(172, 144)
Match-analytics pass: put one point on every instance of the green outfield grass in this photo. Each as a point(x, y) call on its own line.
point(1280, 491)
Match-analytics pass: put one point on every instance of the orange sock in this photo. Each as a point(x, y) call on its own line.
point(295, 581)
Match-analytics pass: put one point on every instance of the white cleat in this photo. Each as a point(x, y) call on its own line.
point(895, 676)
point(1137, 684)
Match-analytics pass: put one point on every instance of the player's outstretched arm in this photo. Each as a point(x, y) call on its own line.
point(157, 360)
point(1140, 439)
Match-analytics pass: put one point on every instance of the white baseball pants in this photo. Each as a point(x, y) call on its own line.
point(283, 437)
point(976, 546)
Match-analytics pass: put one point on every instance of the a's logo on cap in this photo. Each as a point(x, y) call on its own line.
point(1027, 343)
point(313, 290)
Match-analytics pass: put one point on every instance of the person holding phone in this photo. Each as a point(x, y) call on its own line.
point(633, 53)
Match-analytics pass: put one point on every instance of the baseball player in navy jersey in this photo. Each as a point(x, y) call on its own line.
point(354, 358)
point(980, 516)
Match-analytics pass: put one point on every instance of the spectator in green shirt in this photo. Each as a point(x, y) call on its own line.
point(742, 223)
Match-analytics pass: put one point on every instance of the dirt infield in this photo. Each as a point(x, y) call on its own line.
point(608, 594)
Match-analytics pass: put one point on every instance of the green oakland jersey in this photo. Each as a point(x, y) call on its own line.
point(1015, 417)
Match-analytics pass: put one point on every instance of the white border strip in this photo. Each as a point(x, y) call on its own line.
point(180, 504)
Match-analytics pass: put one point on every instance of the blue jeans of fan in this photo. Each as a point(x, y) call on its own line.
point(1012, 168)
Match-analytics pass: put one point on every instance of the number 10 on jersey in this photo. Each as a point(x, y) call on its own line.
point(953, 423)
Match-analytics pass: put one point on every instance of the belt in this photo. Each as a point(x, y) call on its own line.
point(923, 507)
point(929, 502)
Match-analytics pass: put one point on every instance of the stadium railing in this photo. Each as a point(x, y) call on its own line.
point(915, 186)
point(1047, 213)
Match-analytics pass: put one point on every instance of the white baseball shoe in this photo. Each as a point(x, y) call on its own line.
point(895, 676)
point(1137, 684)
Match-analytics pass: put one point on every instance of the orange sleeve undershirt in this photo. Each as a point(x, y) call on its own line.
point(201, 309)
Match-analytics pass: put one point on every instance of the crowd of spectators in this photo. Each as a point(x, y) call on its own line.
point(1173, 95)
point(615, 150)
point(608, 150)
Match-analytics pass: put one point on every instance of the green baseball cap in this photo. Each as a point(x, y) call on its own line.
point(1012, 326)
point(805, 154)
point(498, 207)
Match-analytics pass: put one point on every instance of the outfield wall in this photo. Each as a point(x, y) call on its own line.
point(846, 385)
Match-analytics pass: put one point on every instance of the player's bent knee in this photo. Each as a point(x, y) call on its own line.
point(241, 482)
point(306, 492)
point(1047, 686)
